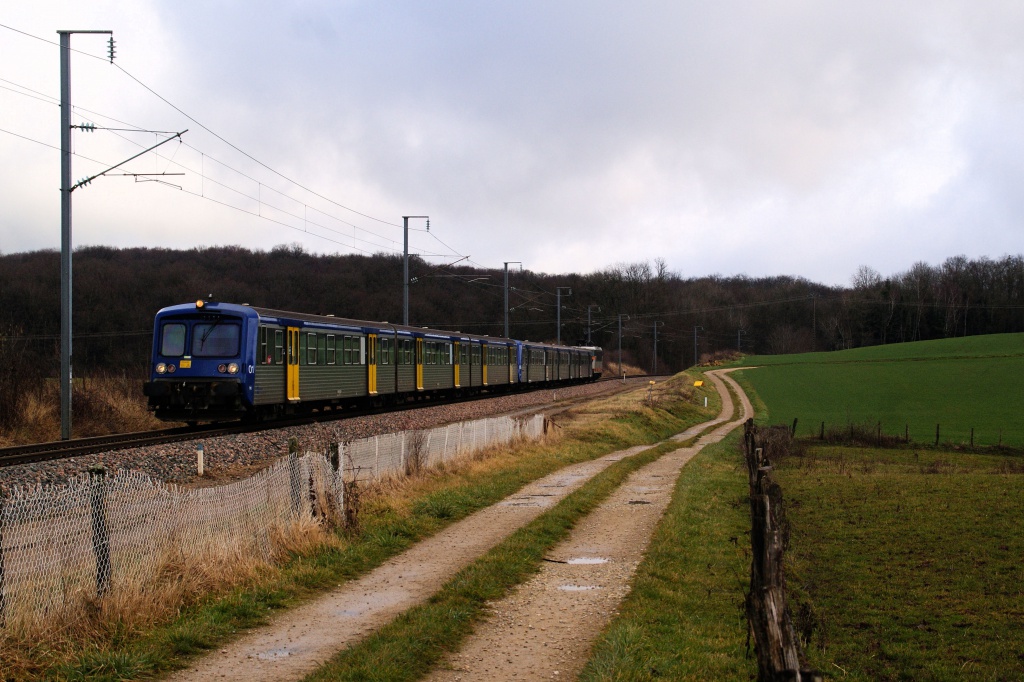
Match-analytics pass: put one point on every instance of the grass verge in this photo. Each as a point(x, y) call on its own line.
point(906, 565)
point(393, 517)
point(684, 617)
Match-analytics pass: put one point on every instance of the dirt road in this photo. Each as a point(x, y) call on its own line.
point(545, 628)
point(299, 640)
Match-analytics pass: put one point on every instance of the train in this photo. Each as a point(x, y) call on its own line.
point(214, 361)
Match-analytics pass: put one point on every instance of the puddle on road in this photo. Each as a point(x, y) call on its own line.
point(639, 502)
point(274, 654)
point(350, 613)
point(577, 588)
point(587, 560)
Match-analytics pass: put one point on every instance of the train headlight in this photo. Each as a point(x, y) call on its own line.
point(222, 368)
point(171, 369)
point(233, 368)
point(161, 368)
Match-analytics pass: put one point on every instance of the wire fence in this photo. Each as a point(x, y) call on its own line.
point(98, 535)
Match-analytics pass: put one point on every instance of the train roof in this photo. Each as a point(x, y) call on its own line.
point(257, 311)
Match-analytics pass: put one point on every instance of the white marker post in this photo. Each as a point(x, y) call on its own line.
point(199, 458)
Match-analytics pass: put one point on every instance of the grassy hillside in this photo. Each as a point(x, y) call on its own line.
point(962, 383)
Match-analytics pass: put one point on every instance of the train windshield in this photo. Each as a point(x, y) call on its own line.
point(215, 339)
point(172, 340)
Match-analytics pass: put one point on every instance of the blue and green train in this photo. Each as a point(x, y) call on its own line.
point(216, 361)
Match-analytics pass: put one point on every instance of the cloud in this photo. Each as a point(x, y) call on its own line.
point(793, 137)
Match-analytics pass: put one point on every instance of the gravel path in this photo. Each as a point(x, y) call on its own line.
point(231, 457)
point(545, 628)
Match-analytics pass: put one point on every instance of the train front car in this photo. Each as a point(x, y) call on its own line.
point(201, 367)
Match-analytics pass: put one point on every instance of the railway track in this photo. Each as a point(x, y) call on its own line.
point(41, 452)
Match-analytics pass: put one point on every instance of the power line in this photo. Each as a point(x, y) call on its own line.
point(211, 132)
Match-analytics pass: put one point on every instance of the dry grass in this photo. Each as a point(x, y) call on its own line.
point(29, 645)
point(612, 368)
point(100, 405)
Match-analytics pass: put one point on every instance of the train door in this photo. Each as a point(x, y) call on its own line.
point(419, 364)
point(457, 362)
point(292, 363)
point(371, 364)
point(483, 363)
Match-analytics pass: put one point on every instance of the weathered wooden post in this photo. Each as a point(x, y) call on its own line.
point(3, 572)
point(100, 531)
point(936, 435)
point(293, 474)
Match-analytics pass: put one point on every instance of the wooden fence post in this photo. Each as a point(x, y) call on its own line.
point(293, 474)
point(770, 623)
point(100, 531)
point(3, 596)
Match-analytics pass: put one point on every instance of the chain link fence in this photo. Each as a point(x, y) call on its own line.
point(99, 535)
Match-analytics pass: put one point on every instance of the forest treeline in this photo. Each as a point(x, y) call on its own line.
point(117, 291)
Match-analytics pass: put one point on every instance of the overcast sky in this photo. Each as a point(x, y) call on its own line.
point(788, 137)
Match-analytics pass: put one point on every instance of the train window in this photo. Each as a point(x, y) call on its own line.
point(383, 350)
point(278, 346)
point(311, 349)
point(407, 352)
point(331, 349)
point(261, 357)
point(321, 346)
point(215, 339)
point(463, 354)
point(346, 350)
point(172, 340)
point(351, 350)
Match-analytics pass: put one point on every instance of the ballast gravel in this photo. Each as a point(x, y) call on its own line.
point(235, 456)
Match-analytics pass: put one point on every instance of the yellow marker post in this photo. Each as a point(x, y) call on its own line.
point(698, 384)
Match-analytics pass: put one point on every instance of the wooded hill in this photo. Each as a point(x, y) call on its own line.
point(117, 291)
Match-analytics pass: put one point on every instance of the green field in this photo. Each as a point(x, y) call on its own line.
point(907, 566)
point(904, 564)
point(960, 384)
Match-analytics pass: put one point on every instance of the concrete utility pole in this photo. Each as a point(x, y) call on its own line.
point(507, 263)
point(695, 329)
point(558, 295)
point(65, 225)
point(656, 346)
point(589, 342)
point(405, 266)
point(620, 340)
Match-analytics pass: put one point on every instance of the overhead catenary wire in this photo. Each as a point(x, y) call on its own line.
point(210, 131)
point(260, 185)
